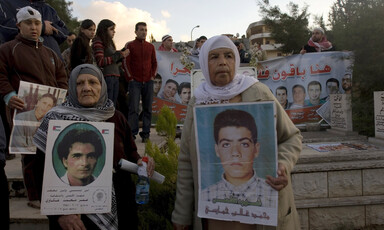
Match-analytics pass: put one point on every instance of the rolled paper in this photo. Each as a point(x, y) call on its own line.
point(132, 168)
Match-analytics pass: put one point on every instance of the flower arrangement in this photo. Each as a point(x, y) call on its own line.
point(184, 59)
point(257, 55)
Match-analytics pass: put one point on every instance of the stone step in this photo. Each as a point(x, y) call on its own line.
point(24, 217)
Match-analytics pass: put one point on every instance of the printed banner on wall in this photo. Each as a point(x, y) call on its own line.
point(303, 83)
point(171, 86)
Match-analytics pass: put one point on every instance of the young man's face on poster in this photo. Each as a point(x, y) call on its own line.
point(237, 151)
point(81, 161)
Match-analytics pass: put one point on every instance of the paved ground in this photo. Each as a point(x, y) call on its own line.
point(20, 210)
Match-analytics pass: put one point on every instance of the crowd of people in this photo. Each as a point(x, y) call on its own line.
point(91, 70)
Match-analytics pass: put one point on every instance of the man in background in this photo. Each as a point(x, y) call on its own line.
point(140, 67)
point(198, 44)
point(245, 57)
point(317, 43)
point(167, 44)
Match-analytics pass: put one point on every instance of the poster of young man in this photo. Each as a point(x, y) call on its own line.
point(78, 170)
point(237, 149)
point(39, 99)
point(171, 85)
point(303, 83)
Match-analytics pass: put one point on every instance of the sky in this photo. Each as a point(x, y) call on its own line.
point(179, 17)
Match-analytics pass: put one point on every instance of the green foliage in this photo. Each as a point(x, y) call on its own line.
point(356, 27)
point(288, 29)
point(157, 213)
point(166, 122)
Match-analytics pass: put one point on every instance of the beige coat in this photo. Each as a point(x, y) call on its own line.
point(289, 148)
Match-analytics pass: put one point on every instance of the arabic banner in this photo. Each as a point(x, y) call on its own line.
point(171, 86)
point(303, 83)
point(38, 100)
point(78, 168)
point(233, 188)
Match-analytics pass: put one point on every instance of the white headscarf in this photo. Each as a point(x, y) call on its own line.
point(207, 93)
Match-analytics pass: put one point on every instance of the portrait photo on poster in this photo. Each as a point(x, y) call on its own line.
point(38, 100)
point(237, 149)
point(78, 168)
point(79, 154)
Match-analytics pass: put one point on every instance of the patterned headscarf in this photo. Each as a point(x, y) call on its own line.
point(72, 110)
point(208, 93)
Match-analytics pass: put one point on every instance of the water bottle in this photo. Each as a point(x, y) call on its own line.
point(142, 186)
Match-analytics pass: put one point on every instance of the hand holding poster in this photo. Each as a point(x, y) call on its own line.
point(237, 149)
point(38, 100)
point(78, 168)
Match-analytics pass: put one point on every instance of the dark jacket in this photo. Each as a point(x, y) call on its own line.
point(311, 49)
point(141, 64)
point(27, 60)
point(8, 29)
point(81, 52)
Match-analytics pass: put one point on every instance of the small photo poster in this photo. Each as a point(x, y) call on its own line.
point(237, 149)
point(78, 168)
point(38, 100)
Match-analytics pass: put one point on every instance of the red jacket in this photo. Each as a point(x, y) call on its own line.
point(141, 64)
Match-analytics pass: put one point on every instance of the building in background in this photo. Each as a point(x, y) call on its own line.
point(259, 33)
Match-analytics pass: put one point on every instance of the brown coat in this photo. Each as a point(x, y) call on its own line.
point(26, 60)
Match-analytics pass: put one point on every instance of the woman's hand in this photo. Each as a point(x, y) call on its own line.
point(281, 181)
point(125, 53)
point(71, 222)
point(150, 166)
point(16, 103)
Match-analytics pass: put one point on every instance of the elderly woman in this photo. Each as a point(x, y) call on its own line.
point(87, 100)
point(219, 61)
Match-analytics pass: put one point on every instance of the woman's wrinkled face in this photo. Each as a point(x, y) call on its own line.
point(88, 88)
point(221, 66)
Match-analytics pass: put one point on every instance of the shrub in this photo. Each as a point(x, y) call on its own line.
point(166, 122)
point(157, 213)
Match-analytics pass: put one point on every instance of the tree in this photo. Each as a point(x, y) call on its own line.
point(63, 10)
point(288, 29)
point(358, 25)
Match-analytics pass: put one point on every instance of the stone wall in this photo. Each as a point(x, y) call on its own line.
point(339, 189)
